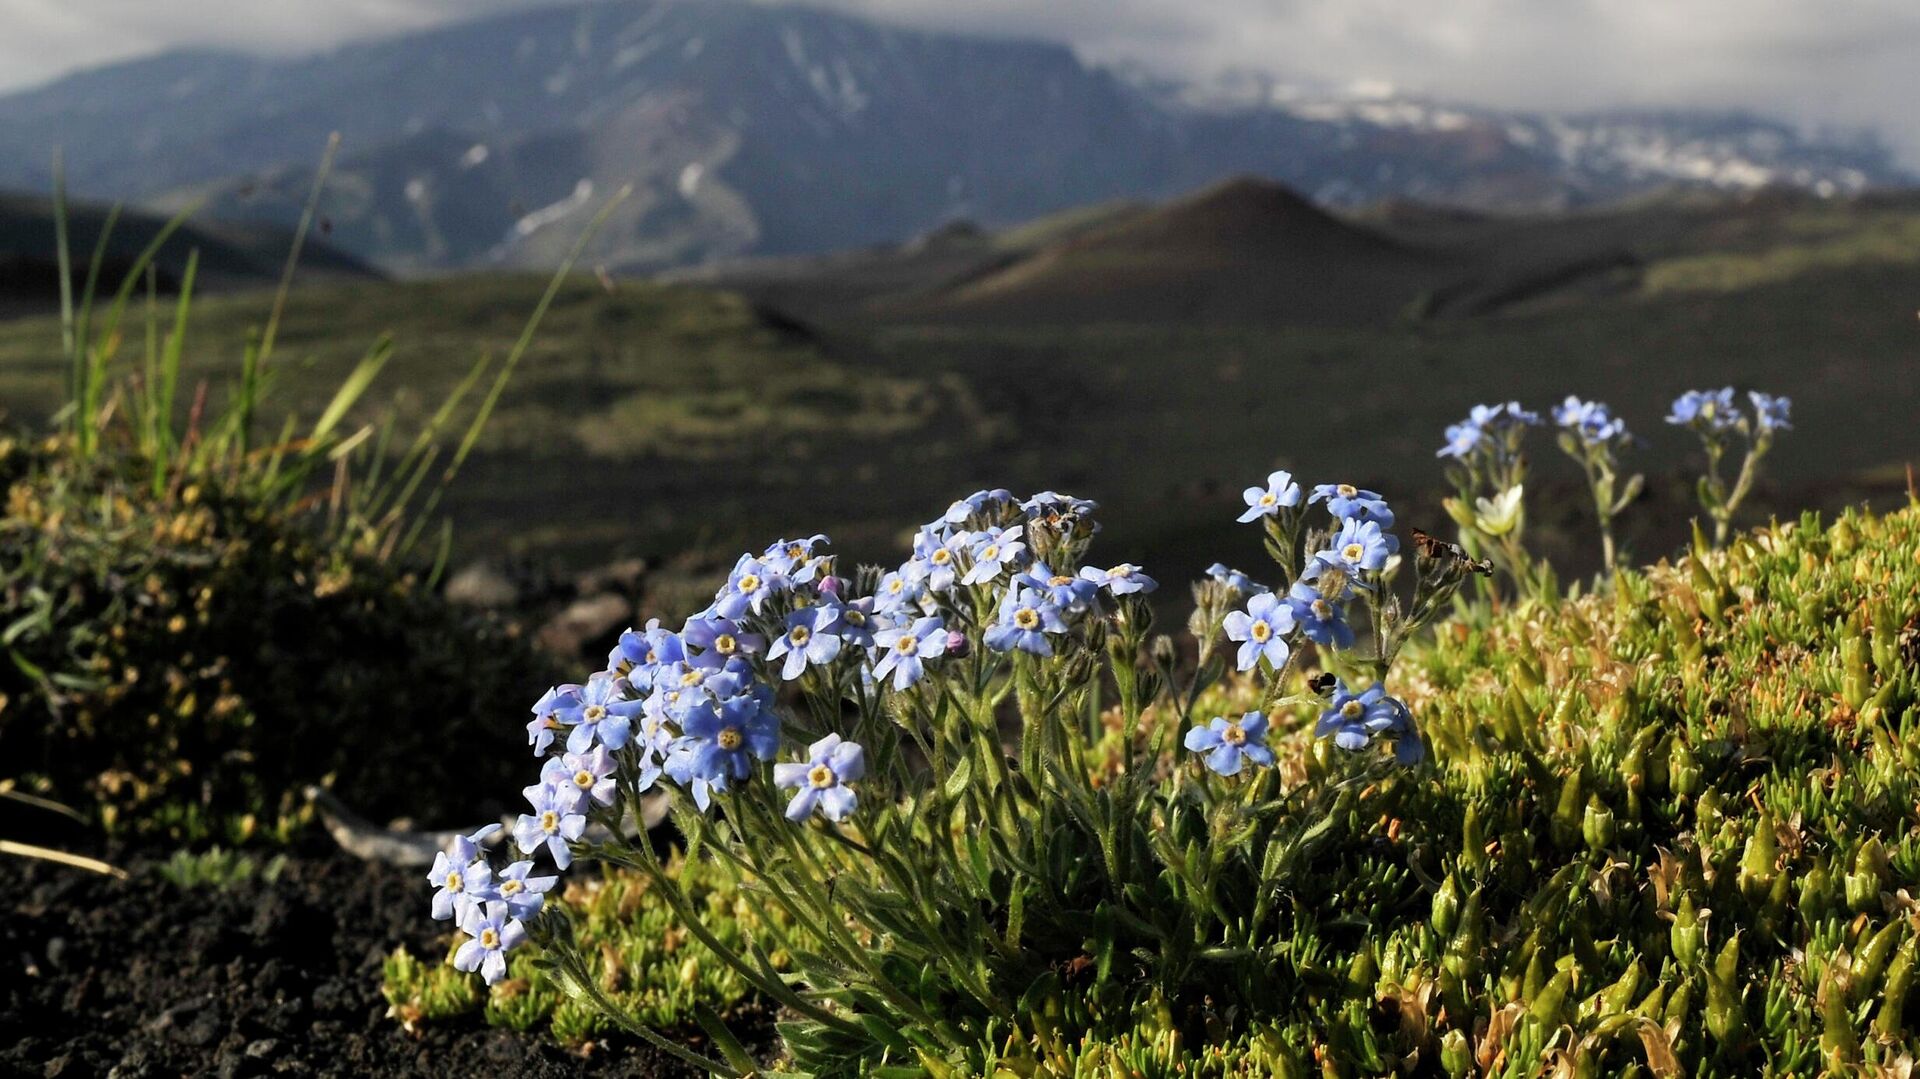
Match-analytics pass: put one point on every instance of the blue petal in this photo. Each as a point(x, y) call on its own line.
point(1202, 739)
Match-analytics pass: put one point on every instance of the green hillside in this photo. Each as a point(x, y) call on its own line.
point(664, 418)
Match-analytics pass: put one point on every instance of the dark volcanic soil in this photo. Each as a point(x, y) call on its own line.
point(140, 978)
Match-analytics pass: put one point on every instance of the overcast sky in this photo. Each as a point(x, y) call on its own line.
point(1852, 63)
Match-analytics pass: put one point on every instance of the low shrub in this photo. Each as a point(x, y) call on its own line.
point(183, 662)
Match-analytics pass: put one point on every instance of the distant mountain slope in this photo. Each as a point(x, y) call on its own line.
point(231, 256)
point(778, 129)
point(1242, 251)
point(1252, 253)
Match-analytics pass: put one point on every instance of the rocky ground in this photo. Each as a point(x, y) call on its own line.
point(140, 977)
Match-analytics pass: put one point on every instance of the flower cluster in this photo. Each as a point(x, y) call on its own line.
point(696, 706)
point(1590, 422)
point(490, 909)
point(1717, 419)
point(1489, 467)
point(1713, 412)
point(1332, 569)
point(1594, 437)
point(1493, 431)
point(1705, 410)
point(1488, 471)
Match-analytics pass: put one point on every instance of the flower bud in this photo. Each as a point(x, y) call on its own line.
point(1618, 997)
point(1686, 936)
point(1463, 956)
point(1893, 996)
point(1552, 998)
point(1863, 893)
point(957, 644)
point(1867, 880)
point(1502, 513)
point(1456, 1055)
point(1706, 813)
point(1596, 825)
point(1446, 906)
point(1683, 770)
point(1566, 818)
point(1757, 861)
point(832, 586)
point(1726, 1003)
point(1363, 972)
point(1871, 960)
point(1855, 681)
point(1816, 893)
point(1473, 840)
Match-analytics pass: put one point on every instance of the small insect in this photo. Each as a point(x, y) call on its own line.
point(1439, 548)
point(1323, 683)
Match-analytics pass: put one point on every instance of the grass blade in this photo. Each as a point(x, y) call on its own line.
point(299, 241)
point(352, 388)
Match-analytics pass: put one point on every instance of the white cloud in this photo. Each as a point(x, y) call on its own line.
point(1850, 63)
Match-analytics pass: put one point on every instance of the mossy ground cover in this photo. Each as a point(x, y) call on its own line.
point(641, 955)
point(180, 663)
point(1668, 828)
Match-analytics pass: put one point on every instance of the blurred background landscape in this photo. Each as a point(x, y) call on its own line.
point(873, 260)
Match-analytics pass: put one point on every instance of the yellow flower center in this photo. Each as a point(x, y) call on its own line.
point(691, 678)
point(583, 779)
point(854, 618)
point(750, 583)
point(489, 939)
point(594, 713)
point(1260, 630)
point(991, 552)
point(940, 557)
point(1269, 498)
point(796, 552)
point(896, 586)
point(907, 646)
point(1322, 609)
point(800, 635)
point(729, 739)
point(1233, 735)
point(454, 883)
point(549, 822)
point(1059, 579)
point(1026, 618)
point(1352, 552)
point(510, 887)
point(822, 777)
point(1353, 709)
point(1347, 490)
point(725, 644)
point(653, 656)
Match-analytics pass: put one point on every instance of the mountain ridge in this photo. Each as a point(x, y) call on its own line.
point(781, 129)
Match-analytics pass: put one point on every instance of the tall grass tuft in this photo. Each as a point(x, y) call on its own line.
point(368, 500)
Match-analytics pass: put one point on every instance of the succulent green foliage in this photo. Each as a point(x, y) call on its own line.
point(181, 662)
point(1670, 828)
point(218, 868)
point(640, 954)
point(1667, 829)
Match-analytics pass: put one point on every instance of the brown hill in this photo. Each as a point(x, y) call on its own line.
point(1243, 251)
